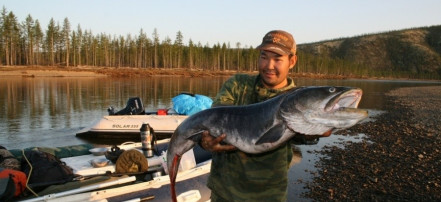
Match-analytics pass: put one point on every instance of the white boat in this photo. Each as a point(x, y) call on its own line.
point(190, 186)
point(126, 126)
point(127, 122)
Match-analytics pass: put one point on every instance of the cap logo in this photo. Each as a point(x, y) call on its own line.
point(278, 38)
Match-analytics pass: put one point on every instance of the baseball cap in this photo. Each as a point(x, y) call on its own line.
point(279, 42)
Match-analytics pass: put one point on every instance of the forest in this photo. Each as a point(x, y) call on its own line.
point(27, 43)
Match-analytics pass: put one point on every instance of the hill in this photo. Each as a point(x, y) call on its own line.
point(409, 53)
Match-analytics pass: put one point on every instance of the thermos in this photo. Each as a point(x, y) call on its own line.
point(146, 140)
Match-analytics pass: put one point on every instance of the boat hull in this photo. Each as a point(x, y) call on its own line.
point(128, 126)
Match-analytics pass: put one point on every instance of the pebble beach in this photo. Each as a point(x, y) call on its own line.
point(399, 160)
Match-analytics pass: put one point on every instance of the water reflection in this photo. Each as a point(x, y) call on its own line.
point(41, 107)
point(48, 111)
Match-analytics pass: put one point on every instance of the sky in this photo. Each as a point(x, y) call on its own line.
point(232, 21)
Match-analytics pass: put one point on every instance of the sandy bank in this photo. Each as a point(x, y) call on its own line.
point(47, 72)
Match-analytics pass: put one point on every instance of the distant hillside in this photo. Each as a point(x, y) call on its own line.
point(410, 53)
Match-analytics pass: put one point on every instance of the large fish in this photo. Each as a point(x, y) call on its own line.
point(264, 126)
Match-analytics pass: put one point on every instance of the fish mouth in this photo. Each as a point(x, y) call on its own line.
point(346, 99)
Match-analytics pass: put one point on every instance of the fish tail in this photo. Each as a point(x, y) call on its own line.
point(173, 172)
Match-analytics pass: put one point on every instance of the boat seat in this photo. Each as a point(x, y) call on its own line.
point(134, 107)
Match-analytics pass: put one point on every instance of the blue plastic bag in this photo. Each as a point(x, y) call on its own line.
point(187, 104)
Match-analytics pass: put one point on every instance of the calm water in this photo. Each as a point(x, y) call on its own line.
point(49, 111)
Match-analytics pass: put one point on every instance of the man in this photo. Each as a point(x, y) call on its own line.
point(238, 176)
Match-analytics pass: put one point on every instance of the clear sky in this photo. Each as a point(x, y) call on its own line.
point(233, 21)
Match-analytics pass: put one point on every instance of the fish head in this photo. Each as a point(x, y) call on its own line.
point(318, 110)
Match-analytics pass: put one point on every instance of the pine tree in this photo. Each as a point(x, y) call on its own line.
point(66, 39)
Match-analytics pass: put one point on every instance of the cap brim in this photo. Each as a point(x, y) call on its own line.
point(274, 48)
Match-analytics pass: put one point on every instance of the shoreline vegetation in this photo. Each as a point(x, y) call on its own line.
point(131, 72)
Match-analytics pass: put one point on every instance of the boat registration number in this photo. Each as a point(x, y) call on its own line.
point(125, 126)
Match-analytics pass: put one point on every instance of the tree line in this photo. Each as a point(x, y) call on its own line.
point(27, 43)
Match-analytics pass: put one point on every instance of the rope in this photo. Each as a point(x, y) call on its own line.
point(30, 172)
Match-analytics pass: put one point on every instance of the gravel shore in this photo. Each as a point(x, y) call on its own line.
point(399, 161)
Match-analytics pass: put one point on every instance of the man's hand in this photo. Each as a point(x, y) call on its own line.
point(212, 144)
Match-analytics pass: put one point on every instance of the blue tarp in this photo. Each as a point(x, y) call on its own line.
point(187, 104)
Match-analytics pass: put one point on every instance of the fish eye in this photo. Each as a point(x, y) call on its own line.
point(332, 89)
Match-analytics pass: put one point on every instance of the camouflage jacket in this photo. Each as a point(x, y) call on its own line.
point(238, 176)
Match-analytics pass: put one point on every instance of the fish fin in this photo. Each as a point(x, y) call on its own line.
point(272, 135)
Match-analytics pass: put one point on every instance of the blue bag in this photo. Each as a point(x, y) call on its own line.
point(188, 104)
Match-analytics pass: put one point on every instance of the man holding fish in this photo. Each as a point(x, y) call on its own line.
point(253, 120)
point(239, 176)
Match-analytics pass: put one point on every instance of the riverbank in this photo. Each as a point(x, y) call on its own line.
point(399, 161)
point(131, 72)
point(47, 71)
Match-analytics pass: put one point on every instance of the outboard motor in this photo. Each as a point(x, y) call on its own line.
point(134, 107)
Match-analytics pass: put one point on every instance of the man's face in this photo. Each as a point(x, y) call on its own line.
point(274, 68)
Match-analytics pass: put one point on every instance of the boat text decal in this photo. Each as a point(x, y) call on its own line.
point(125, 126)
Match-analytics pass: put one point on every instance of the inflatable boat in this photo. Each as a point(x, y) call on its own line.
point(127, 122)
point(102, 183)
